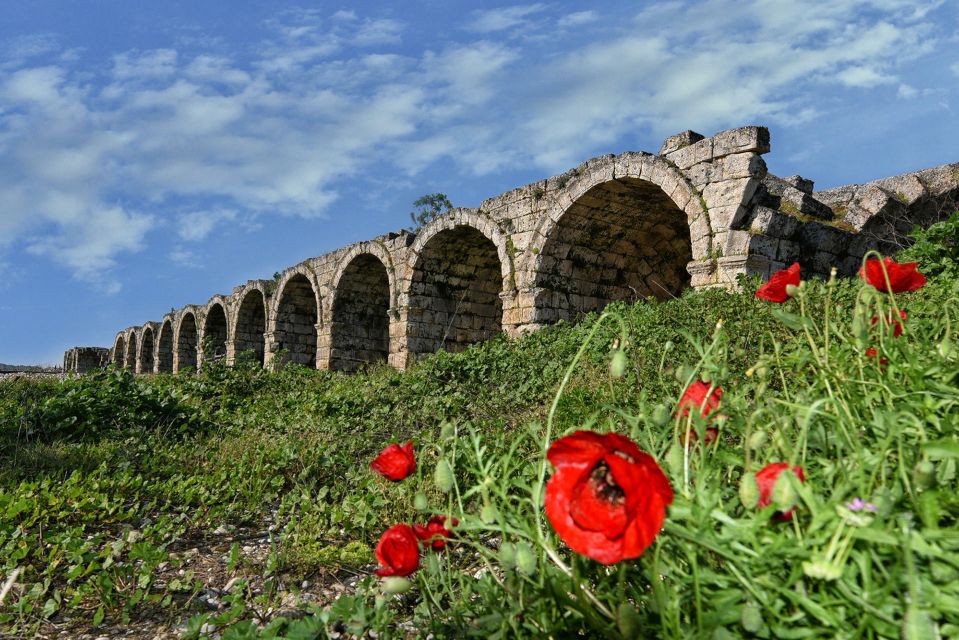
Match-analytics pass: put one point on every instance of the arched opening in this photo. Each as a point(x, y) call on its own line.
point(454, 292)
point(130, 359)
point(186, 347)
point(296, 318)
point(119, 352)
point(248, 340)
point(146, 351)
point(360, 332)
point(165, 348)
point(622, 240)
point(214, 334)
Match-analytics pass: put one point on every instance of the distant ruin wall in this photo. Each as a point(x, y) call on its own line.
point(637, 225)
point(84, 359)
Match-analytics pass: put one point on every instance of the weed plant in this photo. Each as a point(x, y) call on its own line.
point(105, 478)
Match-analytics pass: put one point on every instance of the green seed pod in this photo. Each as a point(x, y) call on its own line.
point(488, 513)
point(749, 491)
point(918, 625)
point(525, 559)
point(924, 475)
point(395, 584)
point(751, 617)
point(661, 415)
point(756, 440)
point(447, 431)
point(792, 290)
point(784, 495)
point(683, 373)
point(674, 460)
point(668, 346)
point(507, 555)
point(617, 365)
point(946, 347)
point(420, 503)
point(443, 476)
point(628, 621)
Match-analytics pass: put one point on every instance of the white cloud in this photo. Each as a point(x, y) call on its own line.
point(146, 65)
point(88, 163)
point(577, 19)
point(863, 77)
point(907, 92)
point(197, 225)
point(504, 17)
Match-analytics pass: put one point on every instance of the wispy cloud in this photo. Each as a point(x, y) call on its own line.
point(503, 18)
point(577, 19)
point(91, 161)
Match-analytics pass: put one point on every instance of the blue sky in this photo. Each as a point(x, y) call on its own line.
point(155, 153)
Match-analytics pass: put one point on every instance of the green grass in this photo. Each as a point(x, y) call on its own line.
point(105, 479)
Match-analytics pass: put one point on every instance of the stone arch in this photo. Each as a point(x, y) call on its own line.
point(294, 316)
point(215, 334)
point(249, 323)
point(130, 357)
point(363, 295)
point(119, 350)
point(460, 270)
point(164, 351)
point(145, 357)
point(627, 229)
point(186, 341)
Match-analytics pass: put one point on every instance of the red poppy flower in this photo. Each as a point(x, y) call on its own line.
point(607, 499)
point(398, 551)
point(902, 277)
point(892, 320)
point(775, 289)
point(695, 396)
point(435, 532)
point(872, 353)
point(766, 479)
point(395, 462)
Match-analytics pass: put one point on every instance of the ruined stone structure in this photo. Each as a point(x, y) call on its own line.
point(619, 227)
point(83, 359)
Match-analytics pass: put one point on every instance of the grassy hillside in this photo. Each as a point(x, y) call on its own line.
point(239, 500)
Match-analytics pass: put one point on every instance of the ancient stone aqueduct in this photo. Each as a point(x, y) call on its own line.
point(618, 227)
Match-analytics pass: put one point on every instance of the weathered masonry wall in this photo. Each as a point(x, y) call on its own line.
point(632, 226)
point(84, 359)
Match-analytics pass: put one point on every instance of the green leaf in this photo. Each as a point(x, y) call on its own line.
point(945, 448)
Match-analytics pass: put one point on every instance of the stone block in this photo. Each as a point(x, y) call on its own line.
point(802, 184)
point(741, 140)
point(695, 153)
point(762, 245)
point(679, 141)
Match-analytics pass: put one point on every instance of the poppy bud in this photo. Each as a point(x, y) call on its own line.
point(784, 495)
point(918, 625)
point(945, 347)
point(488, 513)
point(660, 415)
point(684, 373)
point(420, 503)
point(507, 555)
point(525, 559)
point(792, 290)
point(443, 476)
point(674, 460)
point(860, 329)
point(617, 365)
point(627, 620)
point(396, 584)
point(749, 491)
point(924, 475)
point(668, 346)
point(447, 431)
point(756, 440)
point(751, 617)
